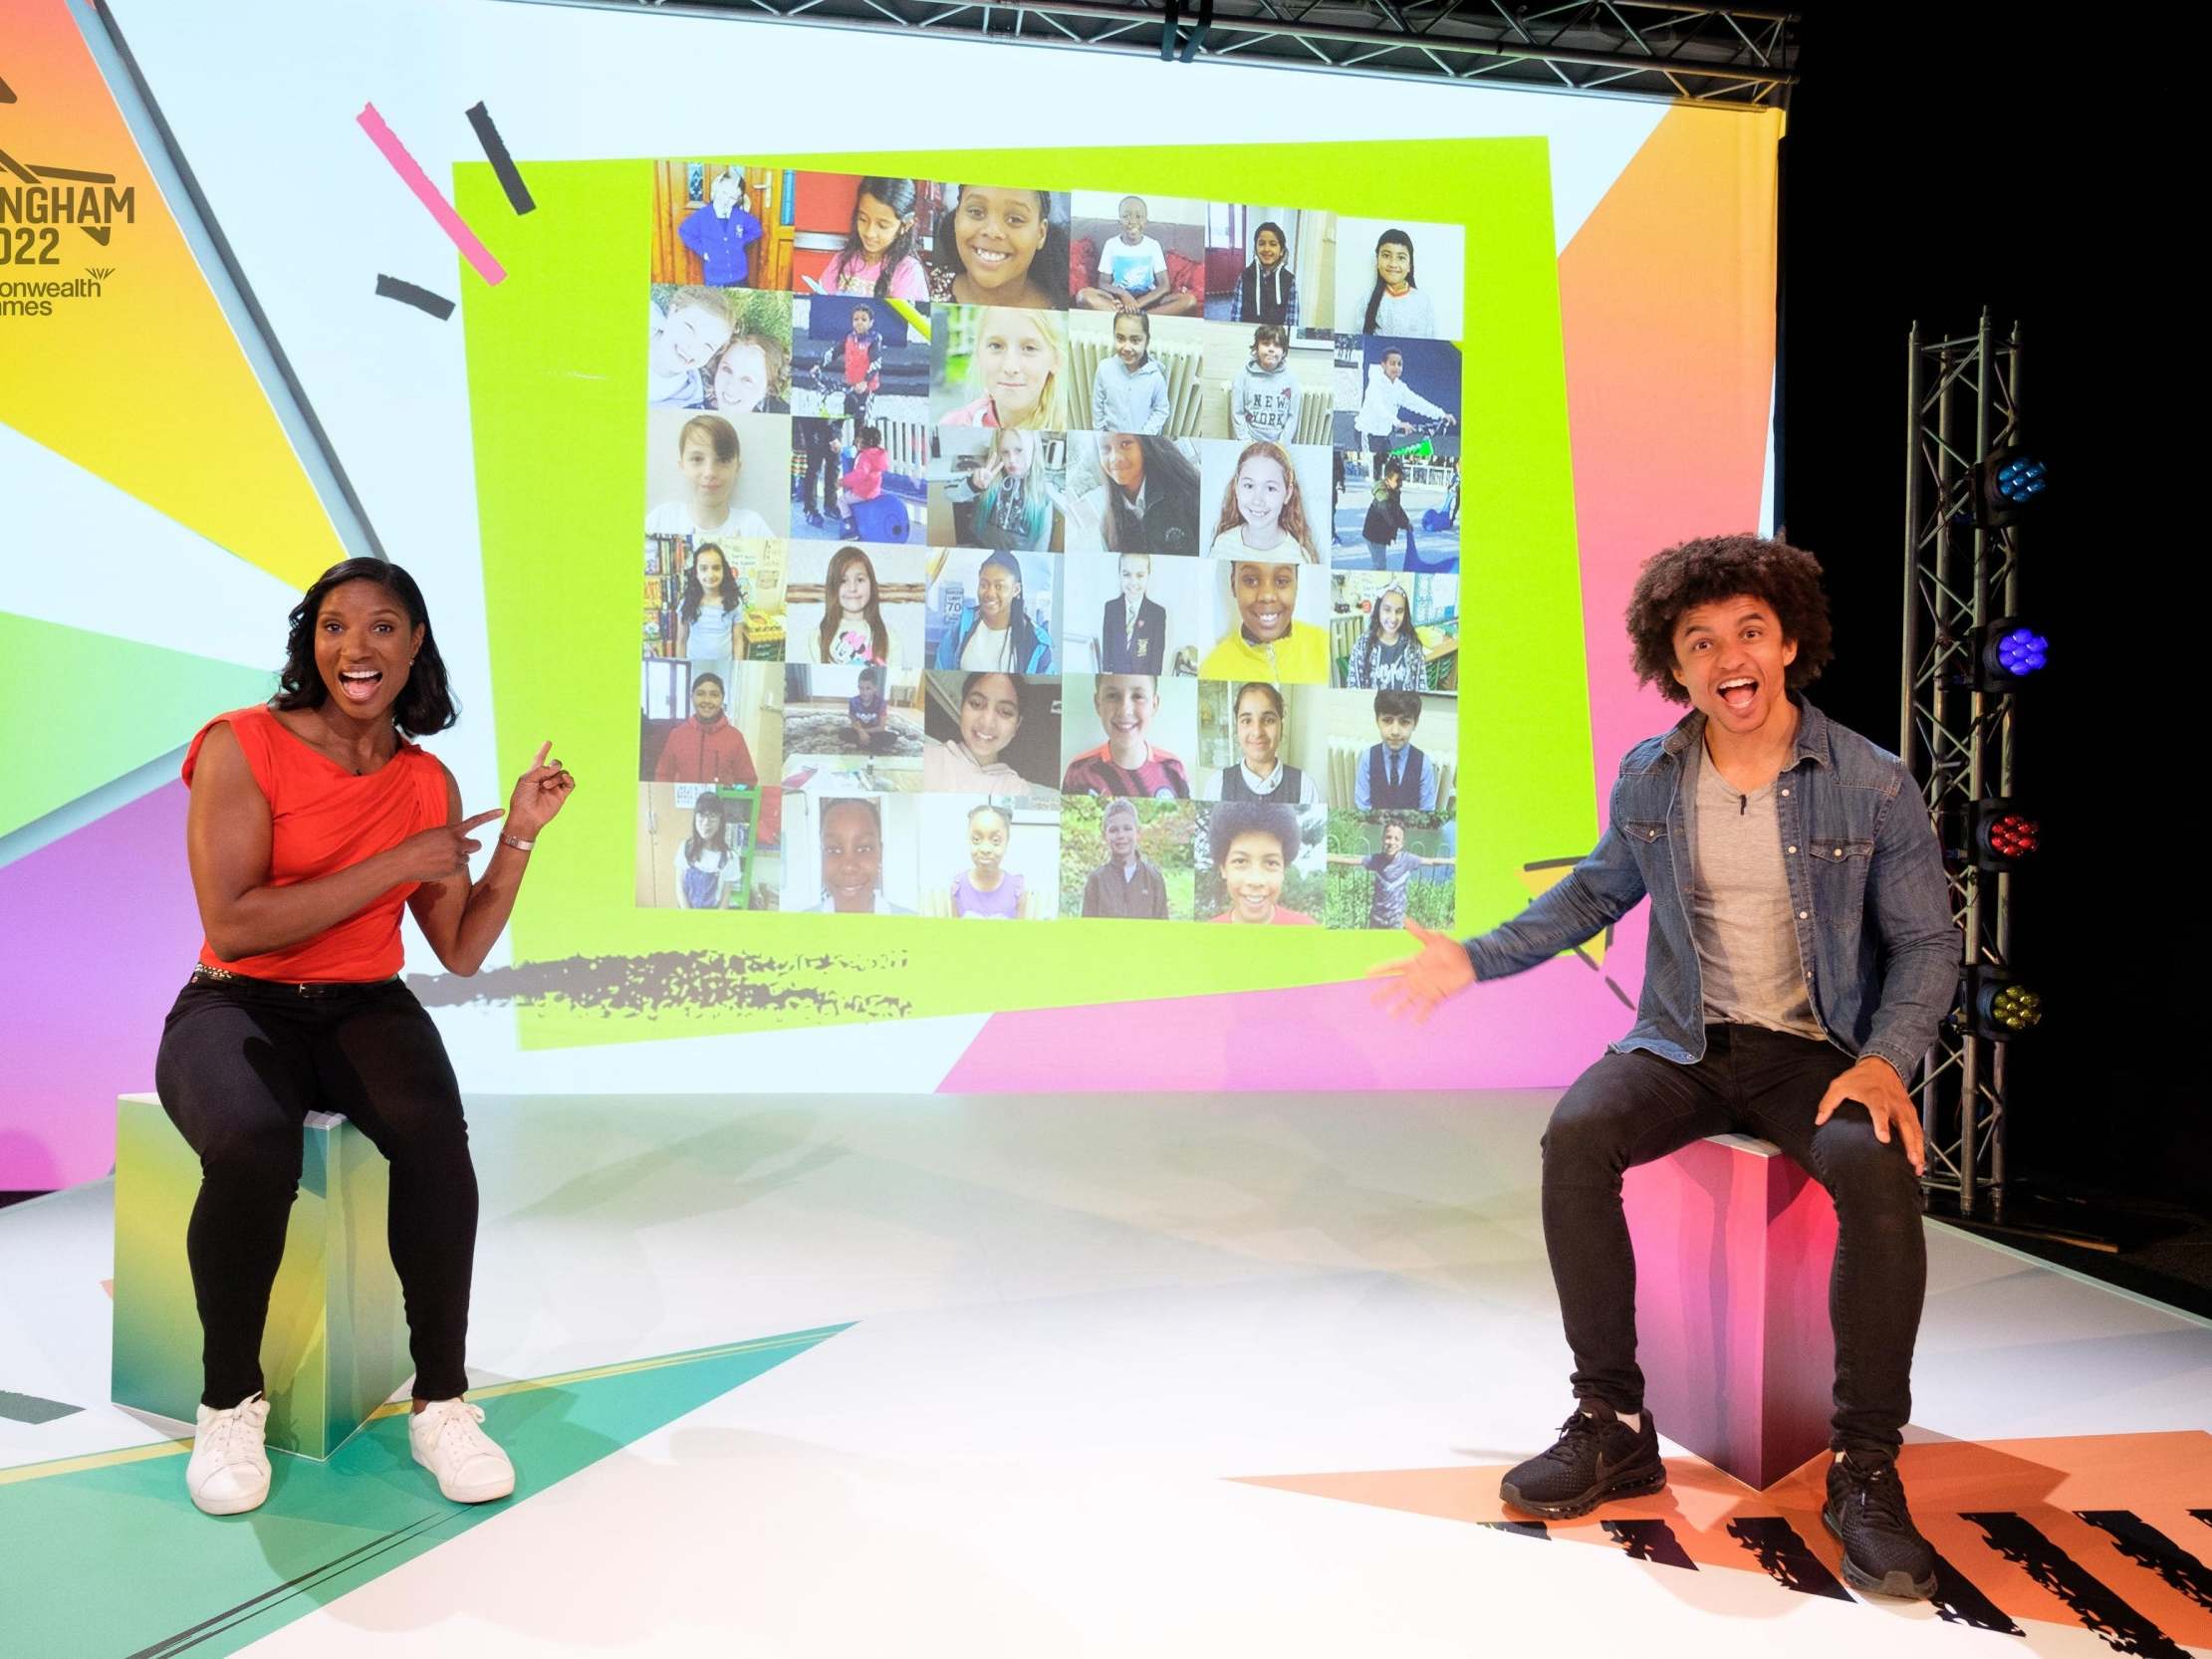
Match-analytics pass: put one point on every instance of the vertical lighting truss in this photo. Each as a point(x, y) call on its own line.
point(1957, 736)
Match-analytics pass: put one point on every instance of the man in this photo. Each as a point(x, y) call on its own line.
point(706, 748)
point(1127, 884)
point(1801, 956)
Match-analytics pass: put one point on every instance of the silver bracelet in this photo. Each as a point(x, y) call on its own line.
point(515, 841)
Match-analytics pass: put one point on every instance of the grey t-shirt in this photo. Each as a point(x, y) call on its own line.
point(1747, 944)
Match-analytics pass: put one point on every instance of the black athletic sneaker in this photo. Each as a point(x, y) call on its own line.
point(1883, 1550)
point(1596, 1457)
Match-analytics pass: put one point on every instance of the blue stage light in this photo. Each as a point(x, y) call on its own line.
point(2012, 652)
point(2007, 483)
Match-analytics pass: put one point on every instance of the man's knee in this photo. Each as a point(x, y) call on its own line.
point(1864, 1174)
point(1594, 1121)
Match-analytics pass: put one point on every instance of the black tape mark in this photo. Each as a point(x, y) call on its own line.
point(1518, 1529)
point(1648, 1540)
point(1959, 1600)
point(193, 1635)
point(2096, 1605)
point(1627, 1001)
point(30, 1408)
point(503, 164)
point(2204, 1516)
point(391, 287)
point(1785, 1555)
point(666, 980)
point(2148, 1546)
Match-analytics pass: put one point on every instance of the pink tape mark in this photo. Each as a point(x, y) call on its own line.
point(412, 175)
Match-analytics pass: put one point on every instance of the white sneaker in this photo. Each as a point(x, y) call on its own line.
point(447, 1442)
point(230, 1470)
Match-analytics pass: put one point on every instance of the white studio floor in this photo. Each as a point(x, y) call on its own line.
point(1202, 1375)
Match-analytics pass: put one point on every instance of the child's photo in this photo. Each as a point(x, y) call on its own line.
point(1390, 751)
point(1125, 860)
point(1262, 742)
point(1270, 265)
point(716, 478)
point(1132, 494)
point(852, 855)
point(749, 372)
point(851, 605)
point(1400, 277)
point(1264, 380)
point(1389, 868)
point(992, 365)
point(708, 726)
point(1270, 623)
point(992, 611)
point(997, 246)
point(1396, 395)
point(695, 847)
point(1400, 515)
point(861, 405)
point(1130, 373)
point(987, 858)
point(714, 602)
point(710, 224)
point(1390, 632)
point(999, 488)
point(1264, 501)
point(856, 729)
point(1138, 252)
point(1132, 613)
point(861, 236)
point(992, 734)
point(1128, 734)
point(1261, 862)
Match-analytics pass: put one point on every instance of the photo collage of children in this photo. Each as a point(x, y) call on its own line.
point(1017, 554)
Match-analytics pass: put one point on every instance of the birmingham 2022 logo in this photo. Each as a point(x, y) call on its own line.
point(43, 210)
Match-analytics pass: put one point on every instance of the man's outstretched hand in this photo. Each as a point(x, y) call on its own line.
point(1417, 984)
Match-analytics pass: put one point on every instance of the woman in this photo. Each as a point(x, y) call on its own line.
point(1389, 656)
point(313, 820)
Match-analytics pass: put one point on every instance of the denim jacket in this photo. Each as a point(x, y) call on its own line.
point(1874, 918)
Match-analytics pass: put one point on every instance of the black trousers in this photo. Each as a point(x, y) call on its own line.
point(819, 446)
point(241, 1063)
point(1631, 1109)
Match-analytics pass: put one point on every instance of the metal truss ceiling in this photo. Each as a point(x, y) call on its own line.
point(1642, 49)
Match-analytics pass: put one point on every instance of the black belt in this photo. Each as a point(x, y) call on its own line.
point(307, 988)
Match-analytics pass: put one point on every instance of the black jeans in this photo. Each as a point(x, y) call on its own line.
point(1630, 1108)
point(819, 446)
point(242, 1062)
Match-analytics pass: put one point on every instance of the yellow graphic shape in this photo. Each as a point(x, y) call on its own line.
point(135, 376)
point(1541, 880)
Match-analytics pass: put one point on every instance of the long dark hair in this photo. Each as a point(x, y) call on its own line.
point(694, 591)
point(1261, 306)
point(425, 702)
point(1172, 483)
point(833, 613)
point(1022, 632)
point(694, 844)
point(1048, 270)
point(900, 197)
point(1371, 641)
point(1374, 299)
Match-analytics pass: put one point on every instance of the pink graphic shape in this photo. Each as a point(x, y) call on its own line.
point(1733, 1246)
point(1528, 1032)
point(102, 931)
point(412, 175)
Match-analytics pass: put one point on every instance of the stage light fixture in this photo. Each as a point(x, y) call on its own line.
point(2004, 835)
point(2007, 484)
point(2012, 652)
point(2000, 1007)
